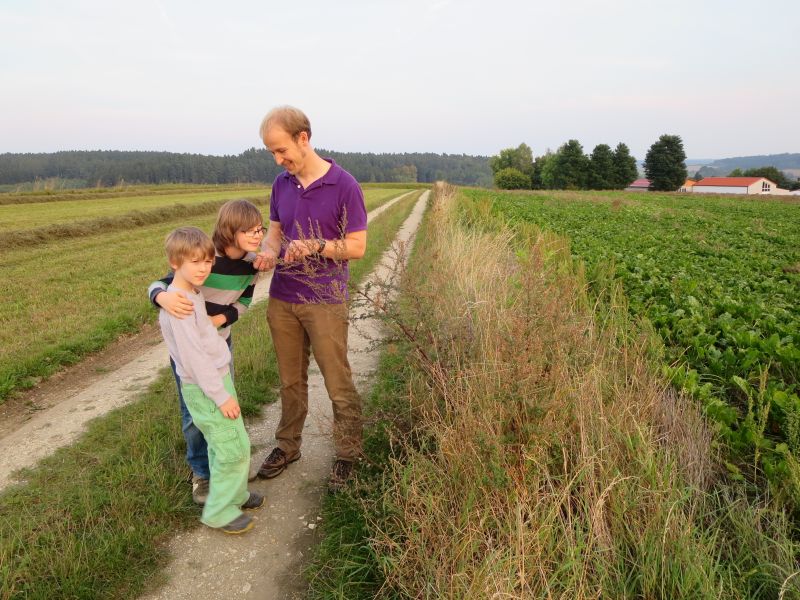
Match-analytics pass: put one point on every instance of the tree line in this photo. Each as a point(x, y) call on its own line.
point(566, 169)
point(113, 167)
point(604, 169)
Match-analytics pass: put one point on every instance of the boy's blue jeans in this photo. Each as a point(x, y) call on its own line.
point(196, 445)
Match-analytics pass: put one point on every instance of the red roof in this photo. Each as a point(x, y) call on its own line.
point(640, 183)
point(731, 181)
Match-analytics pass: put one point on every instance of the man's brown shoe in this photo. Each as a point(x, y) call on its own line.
point(340, 474)
point(276, 463)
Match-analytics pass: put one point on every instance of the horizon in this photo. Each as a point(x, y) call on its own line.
point(441, 77)
point(690, 161)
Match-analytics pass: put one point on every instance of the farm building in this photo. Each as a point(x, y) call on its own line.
point(737, 185)
point(640, 185)
point(687, 185)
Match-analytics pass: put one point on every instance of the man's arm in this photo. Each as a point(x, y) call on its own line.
point(351, 247)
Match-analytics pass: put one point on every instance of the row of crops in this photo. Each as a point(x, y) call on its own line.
point(719, 279)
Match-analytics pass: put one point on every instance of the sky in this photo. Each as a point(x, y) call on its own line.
point(444, 76)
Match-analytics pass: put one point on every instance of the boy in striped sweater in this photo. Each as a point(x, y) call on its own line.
point(228, 292)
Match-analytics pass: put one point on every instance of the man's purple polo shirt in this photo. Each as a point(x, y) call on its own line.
point(331, 207)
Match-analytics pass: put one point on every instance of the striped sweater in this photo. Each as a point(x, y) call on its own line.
point(228, 290)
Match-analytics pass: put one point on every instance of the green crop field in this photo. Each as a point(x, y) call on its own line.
point(69, 296)
point(719, 279)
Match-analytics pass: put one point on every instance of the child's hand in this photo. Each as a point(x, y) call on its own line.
point(265, 260)
point(218, 320)
point(230, 408)
point(175, 304)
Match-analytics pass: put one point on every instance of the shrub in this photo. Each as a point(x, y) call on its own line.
point(512, 179)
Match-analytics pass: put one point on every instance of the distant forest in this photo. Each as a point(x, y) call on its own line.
point(113, 167)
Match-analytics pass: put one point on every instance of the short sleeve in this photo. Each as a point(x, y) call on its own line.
point(355, 211)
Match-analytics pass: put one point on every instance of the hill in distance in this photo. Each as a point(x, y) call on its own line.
point(786, 162)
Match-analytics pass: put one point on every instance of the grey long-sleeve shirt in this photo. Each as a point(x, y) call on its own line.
point(201, 356)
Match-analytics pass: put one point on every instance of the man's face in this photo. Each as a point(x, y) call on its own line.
point(288, 153)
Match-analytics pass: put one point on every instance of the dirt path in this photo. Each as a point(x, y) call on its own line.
point(267, 562)
point(36, 423)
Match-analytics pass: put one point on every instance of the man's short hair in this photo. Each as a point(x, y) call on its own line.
point(234, 216)
point(187, 243)
point(292, 120)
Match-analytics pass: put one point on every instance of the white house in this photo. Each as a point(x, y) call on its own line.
point(735, 185)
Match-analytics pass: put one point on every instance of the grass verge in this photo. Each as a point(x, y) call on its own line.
point(521, 445)
point(90, 521)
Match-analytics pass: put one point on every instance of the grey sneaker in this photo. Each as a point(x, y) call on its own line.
point(199, 490)
point(255, 500)
point(240, 524)
point(340, 474)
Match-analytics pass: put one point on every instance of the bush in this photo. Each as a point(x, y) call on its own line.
point(512, 179)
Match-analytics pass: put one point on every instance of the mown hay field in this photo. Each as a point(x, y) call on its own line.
point(73, 289)
point(30, 216)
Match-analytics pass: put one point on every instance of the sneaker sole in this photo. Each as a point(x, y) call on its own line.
point(273, 475)
point(245, 529)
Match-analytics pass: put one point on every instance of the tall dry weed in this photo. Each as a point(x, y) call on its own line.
point(547, 460)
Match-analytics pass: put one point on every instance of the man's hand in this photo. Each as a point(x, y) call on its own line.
point(230, 408)
point(218, 320)
point(300, 250)
point(175, 304)
point(266, 260)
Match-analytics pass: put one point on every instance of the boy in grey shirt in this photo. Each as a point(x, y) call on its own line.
point(202, 360)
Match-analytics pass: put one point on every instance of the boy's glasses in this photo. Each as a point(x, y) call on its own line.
point(255, 232)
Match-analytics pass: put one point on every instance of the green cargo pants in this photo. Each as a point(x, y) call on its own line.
point(228, 455)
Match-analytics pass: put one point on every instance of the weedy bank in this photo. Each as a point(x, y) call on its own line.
point(90, 521)
point(523, 444)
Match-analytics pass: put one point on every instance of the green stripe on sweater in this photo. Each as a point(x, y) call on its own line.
point(228, 282)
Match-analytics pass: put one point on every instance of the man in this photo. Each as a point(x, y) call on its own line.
point(318, 222)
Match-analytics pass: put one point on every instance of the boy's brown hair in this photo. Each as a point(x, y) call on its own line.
point(186, 243)
point(233, 216)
